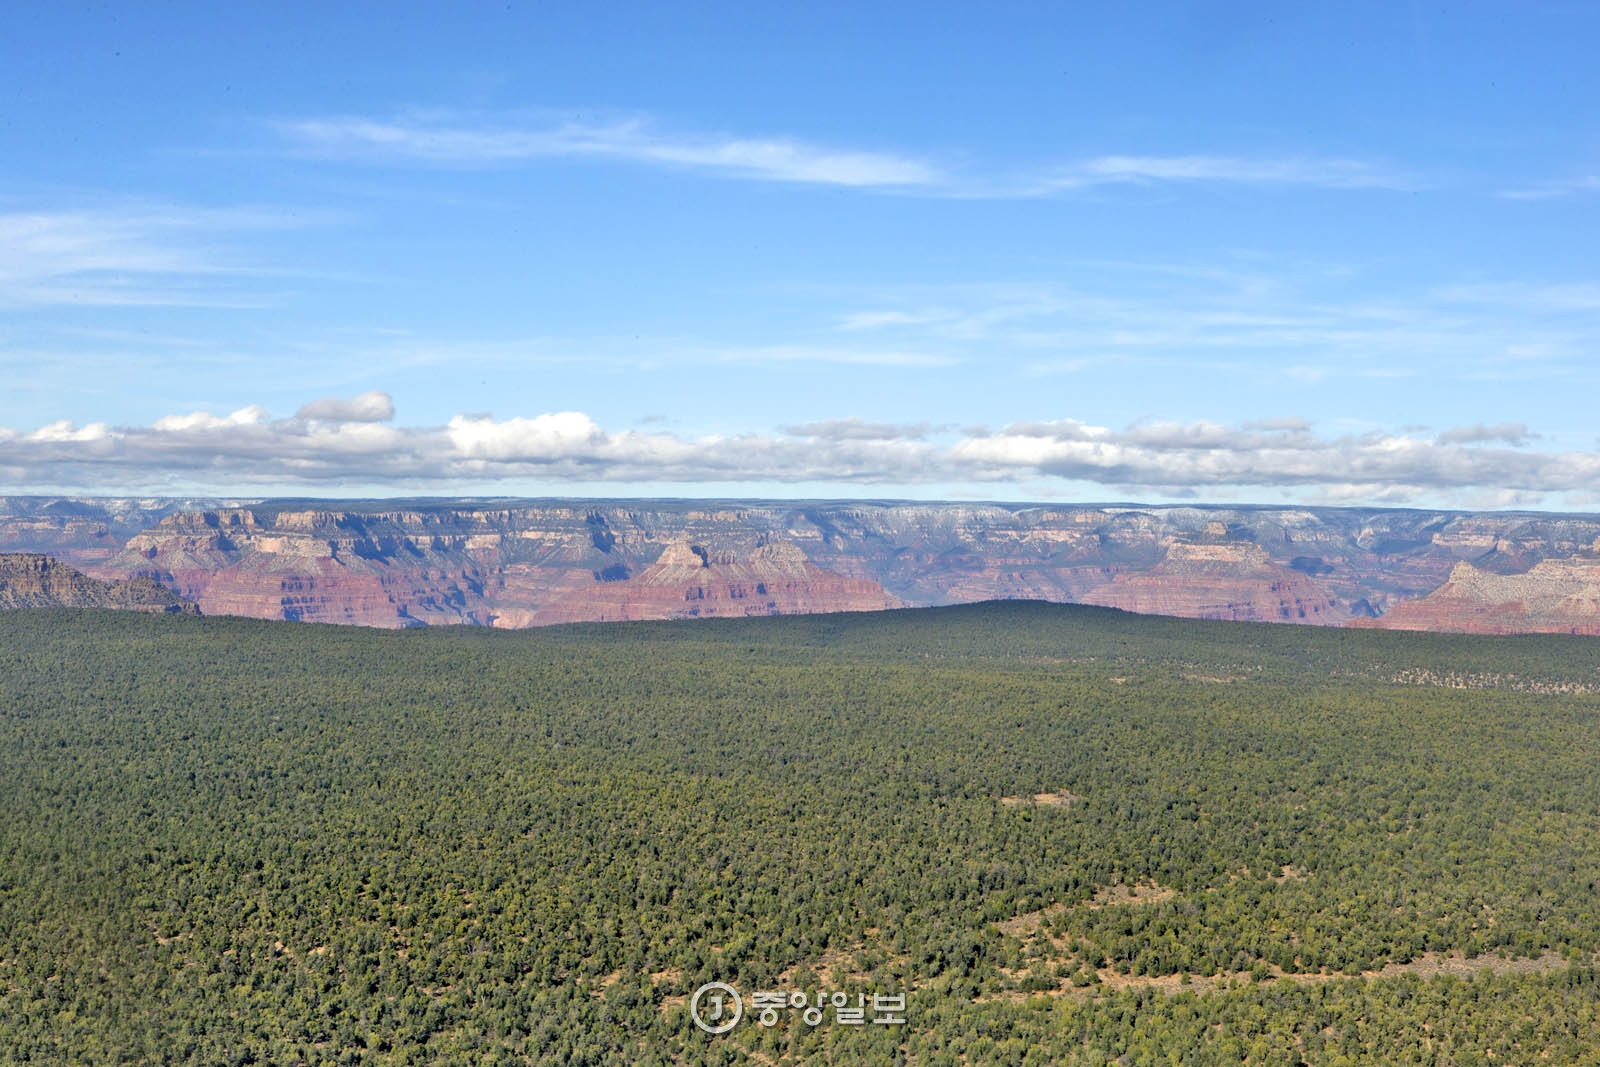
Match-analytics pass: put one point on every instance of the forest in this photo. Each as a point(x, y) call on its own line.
point(1063, 835)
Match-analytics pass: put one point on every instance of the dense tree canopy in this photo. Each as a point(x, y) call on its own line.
point(1066, 835)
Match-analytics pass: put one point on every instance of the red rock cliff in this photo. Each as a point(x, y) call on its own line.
point(1222, 581)
point(687, 581)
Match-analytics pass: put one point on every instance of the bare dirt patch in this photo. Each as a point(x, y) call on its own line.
point(1137, 893)
point(1104, 897)
point(1060, 799)
point(1424, 966)
point(836, 967)
point(1029, 922)
point(1453, 680)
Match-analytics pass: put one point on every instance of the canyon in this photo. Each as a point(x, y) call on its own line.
point(518, 562)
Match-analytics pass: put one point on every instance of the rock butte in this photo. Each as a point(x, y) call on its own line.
point(689, 582)
point(1238, 582)
point(30, 580)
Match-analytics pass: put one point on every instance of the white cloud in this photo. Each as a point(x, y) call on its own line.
point(1283, 423)
point(1207, 455)
point(1141, 170)
point(1589, 183)
point(446, 139)
point(248, 447)
point(128, 256)
point(372, 406)
point(1284, 322)
point(1511, 433)
point(823, 354)
point(856, 429)
point(877, 320)
point(1306, 375)
point(546, 437)
point(1579, 298)
point(464, 144)
point(201, 420)
point(65, 431)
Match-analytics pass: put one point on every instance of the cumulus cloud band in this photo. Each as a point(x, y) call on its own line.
point(333, 441)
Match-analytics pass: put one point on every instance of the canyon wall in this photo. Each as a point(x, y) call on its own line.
point(509, 562)
point(1554, 596)
point(1234, 581)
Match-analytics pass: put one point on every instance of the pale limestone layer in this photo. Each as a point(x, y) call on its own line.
point(1554, 596)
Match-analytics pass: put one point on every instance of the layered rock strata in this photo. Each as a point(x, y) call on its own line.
point(1235, 581)
point(521, 562)
point(1555, 596)
point(30, 580)
point(689, 581)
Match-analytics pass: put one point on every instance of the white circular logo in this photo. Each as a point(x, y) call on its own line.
point(725, 1009)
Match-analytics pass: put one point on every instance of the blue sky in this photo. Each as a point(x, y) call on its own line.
point(1318, 253)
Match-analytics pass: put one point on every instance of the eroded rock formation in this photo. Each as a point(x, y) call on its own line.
point(1554, 596)
point(1231, 580)
point(689, 581)
point(30, 580)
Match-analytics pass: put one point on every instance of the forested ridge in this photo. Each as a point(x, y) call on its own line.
point(1068, 835)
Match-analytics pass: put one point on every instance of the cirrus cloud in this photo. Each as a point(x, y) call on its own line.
point(1322, 173)
point(131, 255)
point(442, 138)
point(453, 141)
